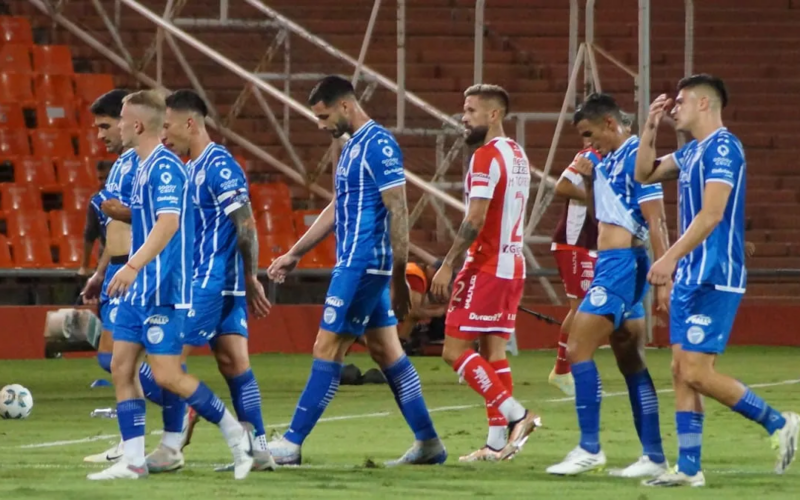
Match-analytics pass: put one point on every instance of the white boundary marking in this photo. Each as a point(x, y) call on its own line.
point(382, 414)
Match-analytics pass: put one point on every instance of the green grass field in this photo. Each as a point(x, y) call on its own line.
point(41, 457)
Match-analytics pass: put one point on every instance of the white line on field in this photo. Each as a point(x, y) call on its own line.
point(381, 414)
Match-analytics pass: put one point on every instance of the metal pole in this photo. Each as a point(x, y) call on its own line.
point(480, 6)
point(365, 44)
point(401, 64)
point(265, 107)
point(688, 55)
point(113, 32)
point(589, 40)
point(574, 13)
point(643, 97)
point(223, 10)
point(287, 83)
point(117, 13)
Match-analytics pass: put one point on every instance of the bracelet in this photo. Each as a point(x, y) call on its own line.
point(128, 264)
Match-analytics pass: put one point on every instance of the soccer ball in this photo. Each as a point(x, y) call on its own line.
point(15, 402)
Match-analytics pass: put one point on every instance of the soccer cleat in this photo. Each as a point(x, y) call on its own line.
point(120, 470)
point(164, 459)
point(262, 461)
point(518, 433)
point(110, 455)
point(644, 467)
point(243, 453)
point(285, 452)
point(485, 454)
point(785, 441)
point(564, 382)
point(577, 462)
point(430, 452)
point(674, 477)
point(189, 421)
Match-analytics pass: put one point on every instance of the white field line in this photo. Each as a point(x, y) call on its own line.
point(382, 414)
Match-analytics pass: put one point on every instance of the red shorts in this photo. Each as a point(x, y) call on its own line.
point(483, 304)
point(576, 267)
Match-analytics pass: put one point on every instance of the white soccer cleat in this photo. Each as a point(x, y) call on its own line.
point(164, 459)
point(644, 467)
point(120, 470)
point(262, 461)
point(485, 454)
point(243, 454)
point(785, 441)
point(564, 382)
point(430, 452)
point(285, 452)
point(110, 455)
point(577, 462)
point(673, 477)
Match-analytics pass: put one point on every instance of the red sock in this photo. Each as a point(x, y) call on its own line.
point(504, 374)
point(480, 375)
point(562, 365)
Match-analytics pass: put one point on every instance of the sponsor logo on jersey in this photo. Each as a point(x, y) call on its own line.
point(485, 317)
point(699, 319)
point(334, 301)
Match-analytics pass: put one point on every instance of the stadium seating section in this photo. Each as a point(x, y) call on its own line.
point(43, 100)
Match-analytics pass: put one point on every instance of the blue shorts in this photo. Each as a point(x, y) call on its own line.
point(620, 283)
point(108, 307)
point(158, 328)
point(356, 302)
point(636, 313)
point(214, 314)
point(701, 317)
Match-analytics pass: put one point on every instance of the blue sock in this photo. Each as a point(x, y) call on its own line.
point(151, 390)
point(320, 389)
point(131, 417)
point(404, 382)
point(588, 394)
point(690, 441)
point(206, 404)
point(756, 409)
point(173, 410)
point(644, 404)
point(247, 400)
point(104, 360)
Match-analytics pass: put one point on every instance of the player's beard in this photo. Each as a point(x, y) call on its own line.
point(342, 127)
point(476, 135)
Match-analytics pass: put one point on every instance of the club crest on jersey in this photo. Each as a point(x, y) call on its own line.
point(598, 296)
point(125, 168)
point(201, 177)
point(355, 151)
point(155, 334)
point(329, 315)
point(695, 335)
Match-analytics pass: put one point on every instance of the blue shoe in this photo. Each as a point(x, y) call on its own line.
point(430, 452)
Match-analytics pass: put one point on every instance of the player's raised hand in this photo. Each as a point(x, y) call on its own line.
point(440, 285)
point(583, 165)
point(256, 298)
point(661, 272)
point(91, 291)
point(282, 266)
point(122, 281)
point(660, 106)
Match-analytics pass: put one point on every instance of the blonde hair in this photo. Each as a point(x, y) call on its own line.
point(152, 101)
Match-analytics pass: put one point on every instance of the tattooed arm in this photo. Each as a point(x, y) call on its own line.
point(394, 199)
point(247, 241)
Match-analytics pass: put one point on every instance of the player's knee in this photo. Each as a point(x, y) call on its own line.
point(166, 376)
point(327, 346)
point(122, 371)
point(451, 353)
point(231, 365)
point(692, 374)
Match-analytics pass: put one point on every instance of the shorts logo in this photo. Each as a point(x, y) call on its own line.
point(585, 284)
point(191, 313)
point(243, 323)
point(598, 296)
point(113, 315)
point(485, 317)
point(334, 301)
point(158, 319)
point(155, 334)
point(699, 319)
point(329, 315)
point(695, 335)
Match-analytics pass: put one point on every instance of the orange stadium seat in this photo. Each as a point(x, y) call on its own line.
point(271, 222)
point(31, 223)
point(15, 29)
point(31, 252)
point(273, 196)
point(14, 142)
point(90, 86)
point(70, 251)
point(66, 223)
point(77, 198)
point(34, 170)
point(77, 171)
point(11, 116)
point(53, 88)
point(52, 59)
point(272, 246)
point(90, 145)
point(324, 255)
point(54, 143)
point(19, 197)
point(62, 115)
point(16, 88)
point(15, 58)
point(5, 253)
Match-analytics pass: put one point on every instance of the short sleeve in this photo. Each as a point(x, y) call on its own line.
point(167, 181)
point(385, 162)
point(723, 161)
point(643, 192)
point(228, 184)
point(680, 155)
point(484, 173)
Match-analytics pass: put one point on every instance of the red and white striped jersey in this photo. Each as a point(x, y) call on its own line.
point(577, 227)
point(499, 171)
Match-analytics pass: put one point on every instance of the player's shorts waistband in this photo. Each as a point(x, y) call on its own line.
point(119, 260)
point(615, 252)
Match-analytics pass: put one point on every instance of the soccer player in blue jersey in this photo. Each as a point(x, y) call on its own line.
point(370, 219)
point(711, 276)
point(624, 210)
point(225, 266)
point(156, 286)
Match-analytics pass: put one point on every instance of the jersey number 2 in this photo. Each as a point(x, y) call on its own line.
point(519, 202)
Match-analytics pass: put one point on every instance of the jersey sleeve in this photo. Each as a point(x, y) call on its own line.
point(484, 174)
point(228, 184)
point(385, 162)
point(680, 155)
point(643, 192)
point(92, 230)
point(723, 161)
point(167, 182)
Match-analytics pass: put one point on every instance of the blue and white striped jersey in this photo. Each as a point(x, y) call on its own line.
point(102, 219)
point(617, 195)
point(162, 187)
point(719, 260)
point(119, 183)
point(218, 188)
point(371, 162)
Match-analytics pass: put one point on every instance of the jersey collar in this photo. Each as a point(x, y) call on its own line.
point(362, 129)
point(203, 154)
point(712, 135)
point(623, 146)
point(152, 154)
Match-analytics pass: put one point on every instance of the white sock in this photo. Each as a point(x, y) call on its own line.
point(231, 428)
point(261, 443)
point(172, 440)
point(496, 439)
point(133, 451)
point(512, 410)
